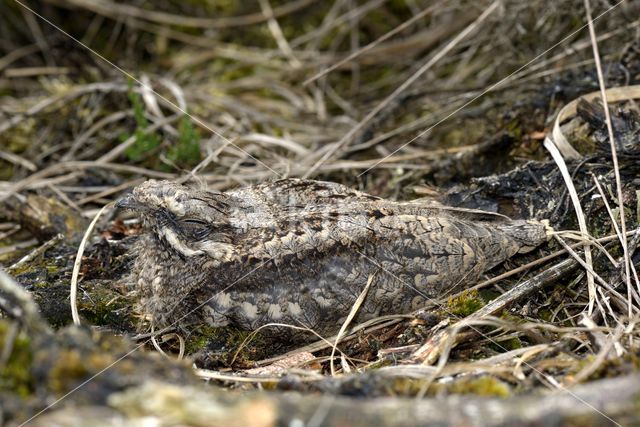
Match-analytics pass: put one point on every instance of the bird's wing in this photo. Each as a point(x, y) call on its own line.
point(293, 192)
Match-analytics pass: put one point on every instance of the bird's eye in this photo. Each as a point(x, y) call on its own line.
point(194, 221)
point(195, 228)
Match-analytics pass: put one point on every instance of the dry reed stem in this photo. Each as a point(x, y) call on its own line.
point(354, 310)
point(76, 266)
point(614, 155)
point(582, 222)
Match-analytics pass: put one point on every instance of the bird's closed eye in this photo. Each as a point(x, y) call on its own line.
point(195, 228)
point(194, 221)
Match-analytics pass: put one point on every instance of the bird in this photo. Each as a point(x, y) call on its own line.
point(298, 253)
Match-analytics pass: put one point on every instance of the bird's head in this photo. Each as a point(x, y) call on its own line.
point(187, 221)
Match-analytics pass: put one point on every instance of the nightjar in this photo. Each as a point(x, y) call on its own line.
point(300, 252)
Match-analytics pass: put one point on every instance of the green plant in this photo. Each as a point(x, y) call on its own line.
point(145, 141)
point(186, 152)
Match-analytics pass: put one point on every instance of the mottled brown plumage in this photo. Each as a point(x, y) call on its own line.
point(300, 252)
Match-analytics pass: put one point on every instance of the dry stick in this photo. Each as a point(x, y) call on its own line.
point(602, 355)
point(63, 197)
point(453, 43)
point(452, 336)
point(354, 43)
point(150, 100)
point(486, 365)
point(11, 230)
point(38, 251)
point(16, 54)
point(546, 65)
point(428, 352)
point(17, 246)
point(618, 232)
point(345, 324)
point(614, 155)
point(62, 99)
point(112, 190)
point(76, 266)
point(218, 376)
point(35, 181)
point(39, 38)
point(570, 110)
point(536, 262)
point(9, 340)
point(35, 71)
point(159, 349)
point(278, 35)
point(17, 160)
point(80, 140)
point(371, 45)
point(32, 180)
point(558, 237)
point(331, 20)
point(589, 269)
point(124, 11)
point(588, 239)
point(531, 351)
point(605, 301)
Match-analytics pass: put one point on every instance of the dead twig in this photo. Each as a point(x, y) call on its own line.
point(38, 251)
point(431, 350)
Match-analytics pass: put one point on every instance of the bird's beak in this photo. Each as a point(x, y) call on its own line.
point(128, 202)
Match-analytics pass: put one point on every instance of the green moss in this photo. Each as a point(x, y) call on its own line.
point(223, 344)
point(628, 364)
point(15, 374)
point(582, 139)
point(229, 71)
point(21, 269)
point(545, 315)
point(68, 369)
point(6, 170)
point(506, 345)
point(71, 367)
point(226, 338)
point(106, 306)
point(483, 386)
point(467, 303)
point(514, 128)
point(199, 338)
point(20, 137)
point(636, 404)
point(52, 269)
point(381, 363)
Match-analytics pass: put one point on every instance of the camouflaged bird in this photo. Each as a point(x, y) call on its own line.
point(300, 252)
